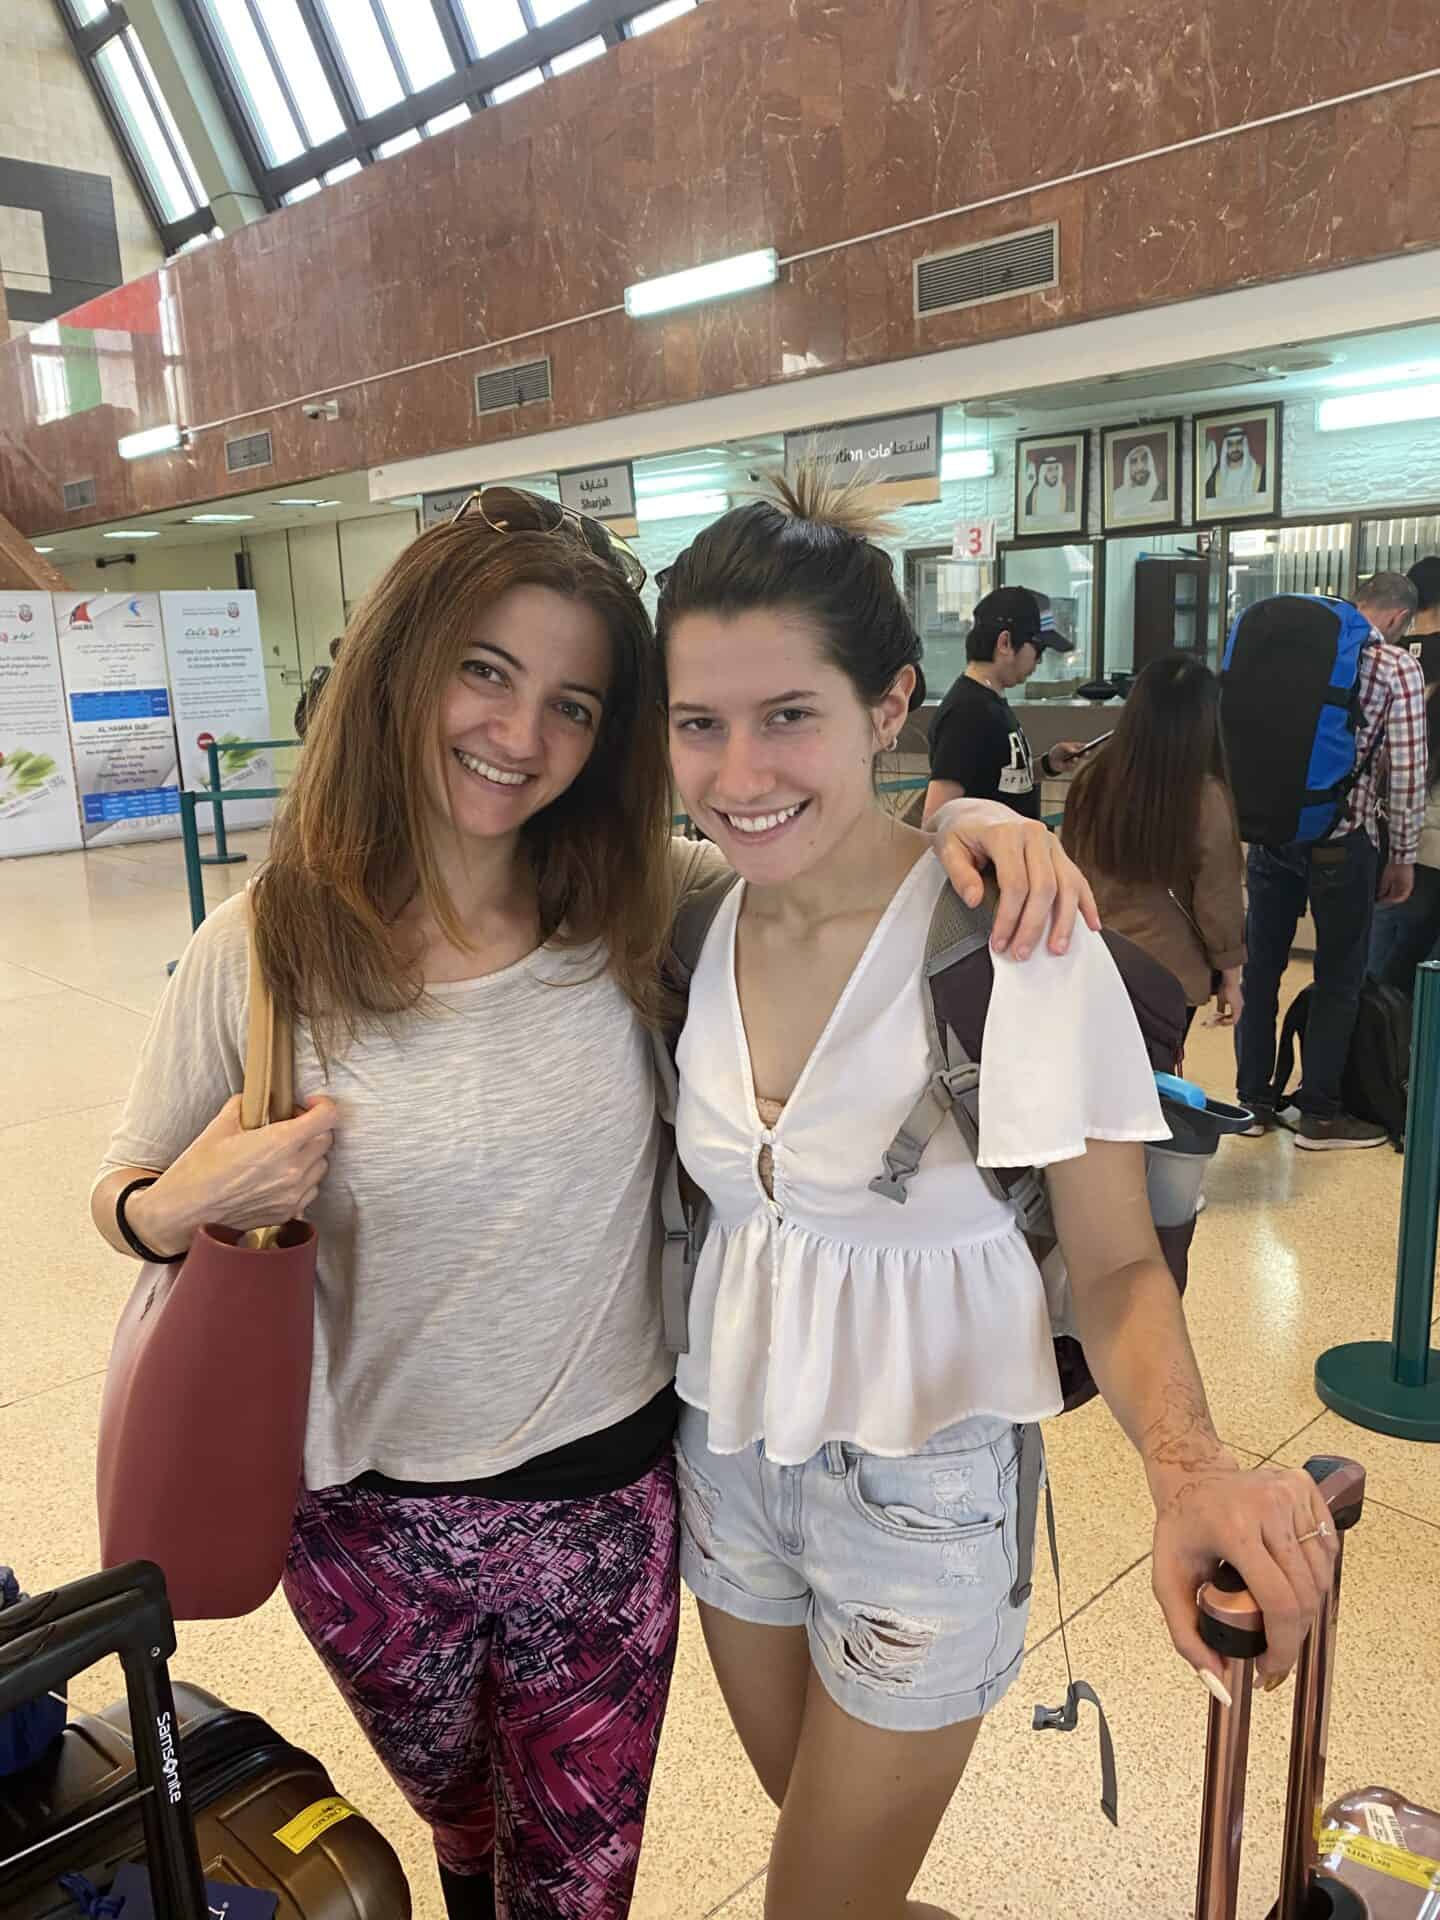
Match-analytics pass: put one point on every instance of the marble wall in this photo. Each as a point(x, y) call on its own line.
point(809, 128)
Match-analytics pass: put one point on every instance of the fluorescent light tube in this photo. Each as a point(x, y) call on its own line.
point(711, 282)
point(219, 519)
point(135, 446)
point(669, 482)
point(1383, 376)
point(133, 533)
point(1389, 407)
point(682, 506)
point(967, 463)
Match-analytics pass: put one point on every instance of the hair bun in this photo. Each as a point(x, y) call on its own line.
point(847, 502)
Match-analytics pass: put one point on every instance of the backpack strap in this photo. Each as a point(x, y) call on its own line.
point(1296, 1015)
point(691, 927)
point(683, 1217)
point(957, 933)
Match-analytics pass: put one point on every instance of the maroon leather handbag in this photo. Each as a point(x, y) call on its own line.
point(202, 1423)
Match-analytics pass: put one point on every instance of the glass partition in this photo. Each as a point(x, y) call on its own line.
point(1393, 546)
point(942, 593)
point(1260, 561)
point(1162, 595)
point(1067, 575)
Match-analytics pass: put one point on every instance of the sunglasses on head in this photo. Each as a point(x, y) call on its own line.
point(514, 510)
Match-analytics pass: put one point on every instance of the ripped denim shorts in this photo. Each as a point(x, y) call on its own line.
point(910, 1576)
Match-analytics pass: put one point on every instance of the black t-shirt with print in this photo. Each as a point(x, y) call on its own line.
point(978, 743)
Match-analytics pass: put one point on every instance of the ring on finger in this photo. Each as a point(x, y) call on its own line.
point(1322, 1532)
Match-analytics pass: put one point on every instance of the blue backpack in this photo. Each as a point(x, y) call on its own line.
point(1289, 714)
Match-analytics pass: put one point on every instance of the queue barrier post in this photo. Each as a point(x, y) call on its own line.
point(194, 878)
point(190, 799)
point(222, 856)
point(1393, 1386)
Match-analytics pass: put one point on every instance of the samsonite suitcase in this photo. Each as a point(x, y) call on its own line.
point(1369, 1856)
point(266, 1814)
point(262, 1814)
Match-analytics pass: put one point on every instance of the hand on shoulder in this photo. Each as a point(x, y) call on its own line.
point(1040, 886)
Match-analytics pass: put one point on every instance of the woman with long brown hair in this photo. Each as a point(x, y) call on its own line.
point(1150, 821)
point(463, 913)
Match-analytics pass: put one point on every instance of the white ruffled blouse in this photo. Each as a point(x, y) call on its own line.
point(822, 1311)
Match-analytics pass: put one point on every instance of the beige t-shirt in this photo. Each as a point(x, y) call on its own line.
point(488, 1282)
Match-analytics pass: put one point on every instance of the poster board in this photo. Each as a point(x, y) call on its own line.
point(39, 809)
point(217, 684)
point(112, 656)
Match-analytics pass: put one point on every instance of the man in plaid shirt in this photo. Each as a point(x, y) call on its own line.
point(1340, 879)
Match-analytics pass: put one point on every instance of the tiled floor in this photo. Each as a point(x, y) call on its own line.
point(1292, 1254)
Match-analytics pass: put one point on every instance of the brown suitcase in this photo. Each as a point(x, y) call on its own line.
point(1369, 1856)
point(258, 1810)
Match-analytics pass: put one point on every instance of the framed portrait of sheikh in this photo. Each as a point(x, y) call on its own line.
point(1141, 472)
point(1237, 464)
point(1052, 482)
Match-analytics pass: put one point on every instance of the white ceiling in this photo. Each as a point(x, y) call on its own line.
point(1353, 360)
point(349, 491)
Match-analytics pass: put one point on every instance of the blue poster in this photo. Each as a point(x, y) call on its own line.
point(117, 696)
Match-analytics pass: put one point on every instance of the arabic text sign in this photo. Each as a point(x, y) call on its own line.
point(902, 447)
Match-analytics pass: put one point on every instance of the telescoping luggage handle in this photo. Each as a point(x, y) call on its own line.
point(1232, 1625)
point(48, 1639)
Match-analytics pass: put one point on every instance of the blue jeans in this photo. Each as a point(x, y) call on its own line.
point(1404, 936)
point(904, 1572)
point(1337, 878)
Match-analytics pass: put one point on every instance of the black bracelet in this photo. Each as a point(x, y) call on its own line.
point(131, 1238)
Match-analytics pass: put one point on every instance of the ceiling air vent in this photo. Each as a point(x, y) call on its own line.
point(989, 270)
point(78, 495)
point(250, 450)
point(512, 387)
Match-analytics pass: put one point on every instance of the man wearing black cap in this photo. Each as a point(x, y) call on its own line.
point(978, 748)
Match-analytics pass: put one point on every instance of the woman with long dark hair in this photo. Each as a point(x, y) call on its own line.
point(1150, 821)
point(863, 1381)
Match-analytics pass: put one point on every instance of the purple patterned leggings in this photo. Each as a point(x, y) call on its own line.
point(510, 1662)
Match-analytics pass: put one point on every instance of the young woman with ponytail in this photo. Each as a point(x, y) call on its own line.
point(862, 1378)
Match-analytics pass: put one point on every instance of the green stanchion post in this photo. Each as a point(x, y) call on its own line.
point(222, 856)
point(194, 878)
point(1393, 1386)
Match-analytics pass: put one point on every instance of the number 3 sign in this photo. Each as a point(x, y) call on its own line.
point(974, 540)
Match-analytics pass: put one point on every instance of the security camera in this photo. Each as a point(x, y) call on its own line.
point(320, 409)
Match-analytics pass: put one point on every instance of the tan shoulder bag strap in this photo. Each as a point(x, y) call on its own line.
point(269, 1091)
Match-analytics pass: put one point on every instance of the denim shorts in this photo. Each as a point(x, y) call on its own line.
point(911, 1576)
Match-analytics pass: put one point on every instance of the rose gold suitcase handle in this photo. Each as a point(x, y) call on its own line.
point(1232, 1625)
